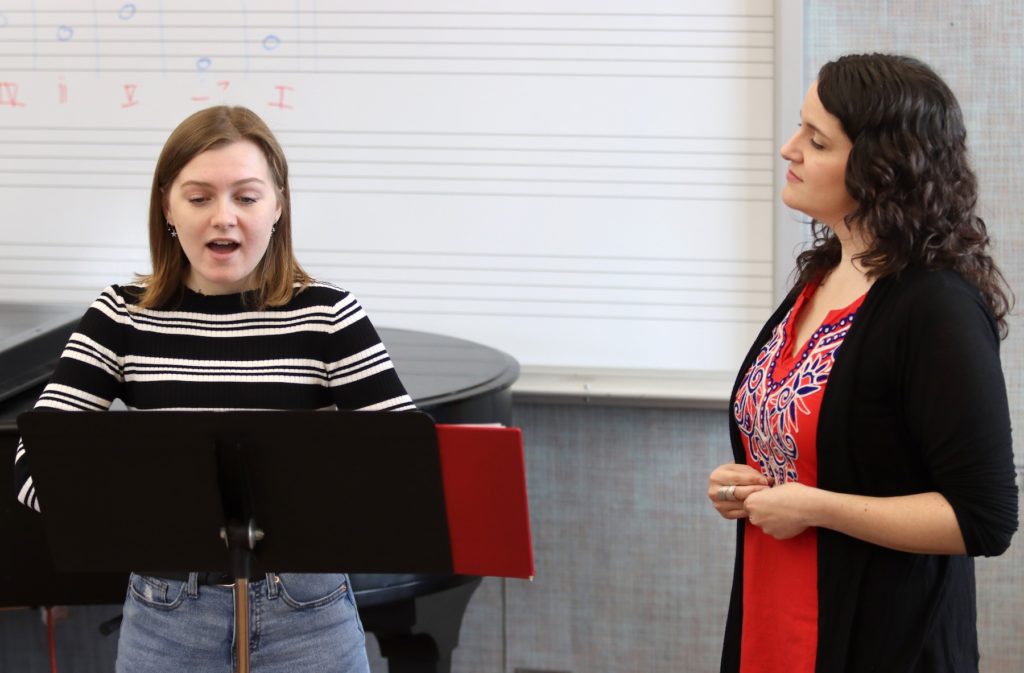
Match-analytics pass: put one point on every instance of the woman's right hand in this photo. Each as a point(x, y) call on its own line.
point(736, 482)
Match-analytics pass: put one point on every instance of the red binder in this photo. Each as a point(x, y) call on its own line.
point(485, 494)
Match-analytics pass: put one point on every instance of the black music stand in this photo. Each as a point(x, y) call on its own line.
point(164, 492)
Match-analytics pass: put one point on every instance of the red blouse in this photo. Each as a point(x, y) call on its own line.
point(776, 408)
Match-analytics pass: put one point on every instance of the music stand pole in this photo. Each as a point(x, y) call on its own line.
point(240, 534)
point(241, 625)
point(241, 540)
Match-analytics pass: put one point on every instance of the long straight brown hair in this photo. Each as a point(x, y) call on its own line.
point(278, 272)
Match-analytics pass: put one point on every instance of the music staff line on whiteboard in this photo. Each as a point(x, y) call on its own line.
point(674, 278)
point(764, 52)
point(339, 71)
point(418, 58)
point(449, 148)
point(84, 248)
point(432, 178)
point(749, 315)
point(269, 46)
point(632, 301)
point(87, 293)
point(284, 130)
point(355, 278)
point(761, 288)
point(88, 252)
point(418, 12)
point(380, 162)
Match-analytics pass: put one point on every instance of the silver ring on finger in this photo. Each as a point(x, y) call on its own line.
point(730, 492)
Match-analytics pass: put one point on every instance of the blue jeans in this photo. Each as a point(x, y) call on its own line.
point(297, 624)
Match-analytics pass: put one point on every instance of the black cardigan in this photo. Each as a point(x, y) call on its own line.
point(915, 402)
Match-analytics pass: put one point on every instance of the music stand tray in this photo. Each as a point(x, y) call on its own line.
point(164, 491)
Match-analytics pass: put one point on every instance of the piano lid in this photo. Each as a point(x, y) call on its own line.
point(32, 338)
point(438, 371)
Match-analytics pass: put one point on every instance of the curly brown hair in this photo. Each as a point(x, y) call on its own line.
point(909, 173)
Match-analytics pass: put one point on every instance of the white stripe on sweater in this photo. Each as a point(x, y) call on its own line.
point(355, 359)
point(404, 400)
point(225, 377)
point(253, 323)
point(272, 363)
point(26, 495)
point(332, 407)
point(344, 380)
point(87, 399)
point(114, 304)
point(91, 352)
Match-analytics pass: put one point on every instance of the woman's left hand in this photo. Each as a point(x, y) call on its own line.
point(782, 511)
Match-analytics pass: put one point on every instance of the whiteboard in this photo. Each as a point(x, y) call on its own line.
point(587, 185)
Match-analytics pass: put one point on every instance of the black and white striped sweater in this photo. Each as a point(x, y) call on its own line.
point(212, 353)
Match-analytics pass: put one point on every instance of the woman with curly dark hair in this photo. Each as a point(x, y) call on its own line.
point(869, 421)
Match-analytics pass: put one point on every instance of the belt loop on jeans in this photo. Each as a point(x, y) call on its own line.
point(192, 589)
point(272, 586)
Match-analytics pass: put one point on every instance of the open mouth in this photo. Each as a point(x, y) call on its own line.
point(223, 246)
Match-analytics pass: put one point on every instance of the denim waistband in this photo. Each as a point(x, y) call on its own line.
point(205, 578)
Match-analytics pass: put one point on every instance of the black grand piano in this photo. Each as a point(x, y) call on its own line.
point(415, 618)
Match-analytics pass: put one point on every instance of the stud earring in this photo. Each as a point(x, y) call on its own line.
point(172, 231)
point(272, 230)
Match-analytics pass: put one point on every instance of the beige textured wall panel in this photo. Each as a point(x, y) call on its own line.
point(633, 567)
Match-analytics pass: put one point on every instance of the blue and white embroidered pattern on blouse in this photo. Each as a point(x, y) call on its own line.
point(768, 411)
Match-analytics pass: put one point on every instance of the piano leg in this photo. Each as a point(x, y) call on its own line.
point(419, 635)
